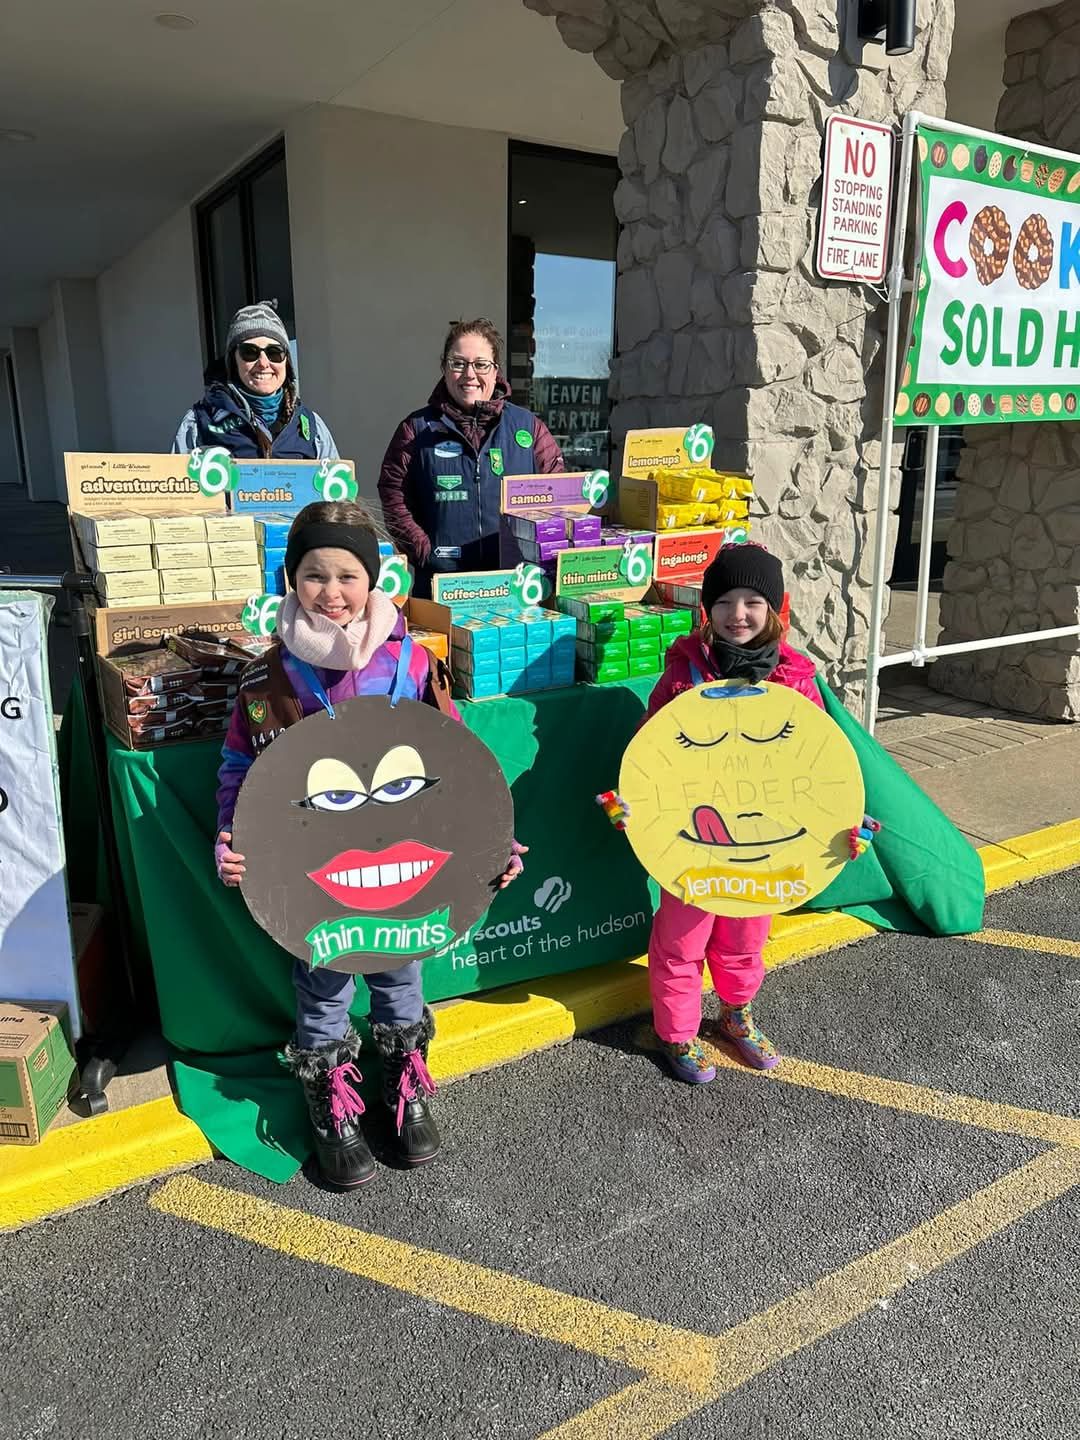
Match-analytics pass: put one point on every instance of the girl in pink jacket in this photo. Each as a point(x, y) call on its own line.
point(741, 595)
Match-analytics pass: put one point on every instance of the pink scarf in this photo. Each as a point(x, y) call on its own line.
point(320, 642)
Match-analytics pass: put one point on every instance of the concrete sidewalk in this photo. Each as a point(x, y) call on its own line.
point(994, 773)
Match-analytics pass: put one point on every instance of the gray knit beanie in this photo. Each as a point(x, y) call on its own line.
point(252, 320)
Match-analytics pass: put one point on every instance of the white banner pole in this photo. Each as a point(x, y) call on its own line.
point(926, 541)
point(892, 341)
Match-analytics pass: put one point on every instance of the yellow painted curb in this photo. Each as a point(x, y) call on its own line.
point(93, 1158)
point(1028, 857)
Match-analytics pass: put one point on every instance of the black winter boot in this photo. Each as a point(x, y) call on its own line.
point(406, 1084)
point(330, 1081)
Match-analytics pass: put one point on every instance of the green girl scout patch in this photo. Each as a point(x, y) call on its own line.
point(305, 426)
point(257, 711)
point(496, 461)
point(524, 438)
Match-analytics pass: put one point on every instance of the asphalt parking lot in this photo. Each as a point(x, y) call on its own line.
point(879, 1239)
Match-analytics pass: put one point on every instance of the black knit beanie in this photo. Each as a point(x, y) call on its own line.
point(748, 566)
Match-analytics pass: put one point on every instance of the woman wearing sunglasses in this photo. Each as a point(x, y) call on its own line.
point(441, 478)
point(255, 413)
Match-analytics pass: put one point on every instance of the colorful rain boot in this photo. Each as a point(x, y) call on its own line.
point(331, 1080)
point(737, 1025)
point(407, 1086)
point(688, 1061)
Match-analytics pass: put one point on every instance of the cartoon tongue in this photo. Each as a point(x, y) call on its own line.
point(710, 827)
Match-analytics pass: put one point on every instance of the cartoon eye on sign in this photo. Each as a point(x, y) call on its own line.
point(741, 798)
point(373, 837)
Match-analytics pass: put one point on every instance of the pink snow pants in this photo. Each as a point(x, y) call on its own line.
point(683, 939)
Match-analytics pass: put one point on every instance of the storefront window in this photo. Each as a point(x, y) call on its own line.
point(244, 248)
point(909, 529)
point(563, 235)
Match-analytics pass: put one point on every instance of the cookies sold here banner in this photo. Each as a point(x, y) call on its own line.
point(995, 328)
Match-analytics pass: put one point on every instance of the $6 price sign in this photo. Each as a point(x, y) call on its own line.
point(213, 470)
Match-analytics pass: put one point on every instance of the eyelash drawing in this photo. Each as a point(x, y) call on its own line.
point(782, 734)
point(684, 740)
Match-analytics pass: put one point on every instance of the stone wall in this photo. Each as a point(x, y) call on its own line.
point(719, 315)
point(1015, 542)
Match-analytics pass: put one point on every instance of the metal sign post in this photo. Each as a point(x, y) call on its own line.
point(892, 341)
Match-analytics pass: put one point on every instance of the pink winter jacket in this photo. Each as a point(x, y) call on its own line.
point(794, 670)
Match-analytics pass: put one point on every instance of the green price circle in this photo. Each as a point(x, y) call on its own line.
point(213, 470)
point(529, 584)
point(394, 577)
point(335, 482)
point(595, 487)
point(698, 443)
point(260, 614)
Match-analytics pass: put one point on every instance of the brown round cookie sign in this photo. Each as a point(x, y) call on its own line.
point(372, 837)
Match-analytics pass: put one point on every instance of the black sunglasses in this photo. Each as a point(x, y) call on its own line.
point(274, 353)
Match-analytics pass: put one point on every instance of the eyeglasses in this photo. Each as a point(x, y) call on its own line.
point(274, 353)
point(481, 367)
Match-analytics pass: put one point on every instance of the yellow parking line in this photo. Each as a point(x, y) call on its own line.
point(897, 1095)
point(918, 1100)
point(664, 1352)
point(838, 1298)
point(684, 1371)
point(1016, 940)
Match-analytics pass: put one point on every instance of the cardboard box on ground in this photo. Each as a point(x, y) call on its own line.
point(37, 1068)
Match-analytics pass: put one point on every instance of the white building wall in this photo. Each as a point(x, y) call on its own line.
point(150, 334)
point(398, 226)
point(33, 414)
point(76, 304)
point(10, 473)
point(59, 399)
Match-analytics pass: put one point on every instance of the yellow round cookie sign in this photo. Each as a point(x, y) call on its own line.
point(741, 797)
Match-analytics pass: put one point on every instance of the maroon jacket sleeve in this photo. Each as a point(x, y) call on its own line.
point(393, 478)
point(546, 453)
point(675, 679)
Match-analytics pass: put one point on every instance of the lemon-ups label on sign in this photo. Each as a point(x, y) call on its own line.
point(770, 888)
point(676, 448)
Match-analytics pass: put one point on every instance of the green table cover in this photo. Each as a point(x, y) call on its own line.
point(223, 986)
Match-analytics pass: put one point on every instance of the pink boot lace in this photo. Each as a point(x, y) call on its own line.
point(345, 1101)
point(414, 1078)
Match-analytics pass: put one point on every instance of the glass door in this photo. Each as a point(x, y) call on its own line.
point(563, 236)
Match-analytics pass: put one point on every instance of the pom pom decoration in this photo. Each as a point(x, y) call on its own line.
point(615, 808)
point(860, 837)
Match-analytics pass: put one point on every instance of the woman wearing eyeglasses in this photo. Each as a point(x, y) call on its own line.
point(441, 478)
point(256, 412)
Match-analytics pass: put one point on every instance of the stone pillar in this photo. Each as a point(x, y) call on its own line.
point(719, 315)
point(1015, 540)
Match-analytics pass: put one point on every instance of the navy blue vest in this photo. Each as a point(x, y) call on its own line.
point(221, 421)
point(456, 494)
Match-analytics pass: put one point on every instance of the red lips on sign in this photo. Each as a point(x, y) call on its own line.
point(382, 879)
